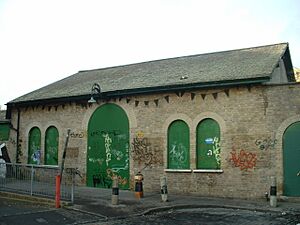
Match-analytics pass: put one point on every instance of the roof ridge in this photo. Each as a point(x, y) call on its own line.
point(184, 56)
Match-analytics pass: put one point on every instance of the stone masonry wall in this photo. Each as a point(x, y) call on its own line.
point(252, 122)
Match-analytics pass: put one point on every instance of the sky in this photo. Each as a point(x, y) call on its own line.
point(42, 41)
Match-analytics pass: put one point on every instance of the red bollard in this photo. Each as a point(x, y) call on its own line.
point(57, 191)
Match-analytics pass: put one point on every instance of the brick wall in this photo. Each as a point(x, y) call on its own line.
point(252, 122)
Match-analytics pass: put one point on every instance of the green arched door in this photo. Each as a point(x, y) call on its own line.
point(208, 145)
point(291, 160)
point(34, 146)
point(108, 147)
point(51, 146)
point(178, 145)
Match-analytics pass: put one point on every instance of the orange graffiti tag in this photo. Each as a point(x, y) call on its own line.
point(244, 160)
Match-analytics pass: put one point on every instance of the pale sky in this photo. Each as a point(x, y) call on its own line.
point(42, 41)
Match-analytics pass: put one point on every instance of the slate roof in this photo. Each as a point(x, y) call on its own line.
point(217, 68)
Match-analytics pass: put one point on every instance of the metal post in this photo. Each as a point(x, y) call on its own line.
point(164, 188)
point(273, 192)
point(31, 181)
point(115, 191)
point(64, 154)
point(57, 191)
point(73, 186)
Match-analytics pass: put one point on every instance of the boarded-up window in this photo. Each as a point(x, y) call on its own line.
point(178, 145)
point(51, 146)
point(4, 132)
point(34, 146)
point(208, 145)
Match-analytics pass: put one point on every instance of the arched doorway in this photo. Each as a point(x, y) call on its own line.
point(108, 147)
point(291, 160)
point(51, 146)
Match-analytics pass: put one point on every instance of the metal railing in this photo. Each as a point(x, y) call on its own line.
point(36, 180)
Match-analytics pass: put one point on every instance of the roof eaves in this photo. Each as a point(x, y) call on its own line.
point(146, 90)
point(187, 87)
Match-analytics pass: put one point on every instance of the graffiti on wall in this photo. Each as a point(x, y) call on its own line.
point(114, 163)
point(265, 144)
point(80, 134)
point(36, 156)
point(243, 159)
point(217, 150)
point(178, 153)
point(105, 179)
point(144, 152)
point(107, 144)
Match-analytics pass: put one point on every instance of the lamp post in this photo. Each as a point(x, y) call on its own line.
point(96, 90)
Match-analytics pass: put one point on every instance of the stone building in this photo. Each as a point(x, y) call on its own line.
point(218, 124)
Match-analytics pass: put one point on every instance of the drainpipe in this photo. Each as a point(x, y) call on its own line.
point(18, 134)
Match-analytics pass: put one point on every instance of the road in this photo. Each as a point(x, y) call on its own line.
point(210, 216)
point(15, 212)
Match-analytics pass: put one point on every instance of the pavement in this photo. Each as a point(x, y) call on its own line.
point(99, 203)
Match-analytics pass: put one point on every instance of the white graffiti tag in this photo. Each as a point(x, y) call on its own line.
point(217, 150)
point(177, 152)
point(107, 144)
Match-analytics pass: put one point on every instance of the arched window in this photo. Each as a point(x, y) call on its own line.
point(51, 146)
point(208, 145)
point(178, 145)
point(34, 146)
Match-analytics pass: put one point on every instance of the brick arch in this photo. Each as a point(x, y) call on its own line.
point(128, 110)
point(211, 115)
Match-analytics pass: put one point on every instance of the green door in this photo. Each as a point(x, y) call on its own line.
point(34, 146)
point(51, 146)
point(108, 147)
point(291, 160)
point(208, 145)
point(178, 145)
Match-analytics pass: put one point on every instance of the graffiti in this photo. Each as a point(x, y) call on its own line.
point(105, 179)
point(244, 160)
point(178, 153)
point(107, 144)
point(52, 154)
point(12, 141)
point(111, 174)
point(36, 156)
point(217, 150)
point(102, 132)
point(99, 161)
point(265, 144)
point(102, 180)
point(77, 134)
point(144, 153)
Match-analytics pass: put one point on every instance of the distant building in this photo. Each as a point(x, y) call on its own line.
point(297, 74)
point(218, 124)
point(4, 127)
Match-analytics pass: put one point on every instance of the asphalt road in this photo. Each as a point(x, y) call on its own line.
point(210, 216)
point(15, 212)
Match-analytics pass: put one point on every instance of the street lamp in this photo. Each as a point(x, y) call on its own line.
point(95, 91)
